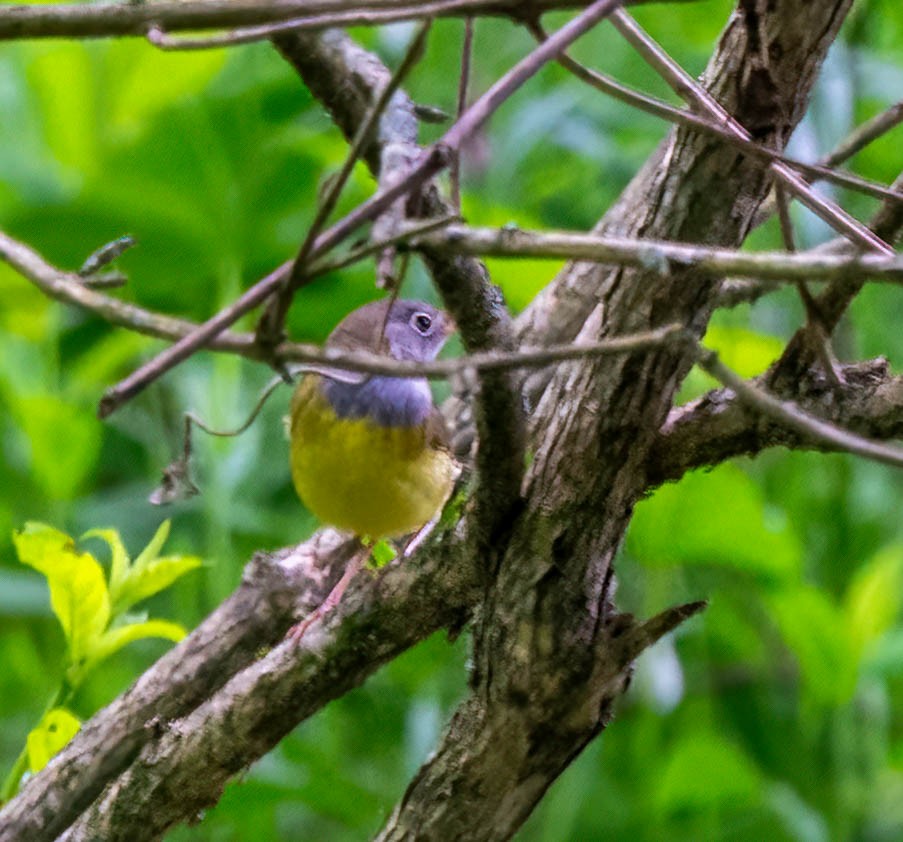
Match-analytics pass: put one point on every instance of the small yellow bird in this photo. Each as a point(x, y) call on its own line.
point(369, 453)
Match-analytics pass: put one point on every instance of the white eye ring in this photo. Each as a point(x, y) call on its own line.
point(422, 323)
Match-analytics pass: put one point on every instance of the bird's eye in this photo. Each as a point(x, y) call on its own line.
point(422, 323)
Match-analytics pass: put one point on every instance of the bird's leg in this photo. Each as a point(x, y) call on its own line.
point(416, 540)
point(296, 632)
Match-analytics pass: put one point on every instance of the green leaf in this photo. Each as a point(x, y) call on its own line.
point(153, 578)
point(119, 557)
point(381, 554)
point(78, 592)
point(718, 518)
point(152, 550)
point(55, 729)
point(873, 597)
point(115, 639)
point(148, 574)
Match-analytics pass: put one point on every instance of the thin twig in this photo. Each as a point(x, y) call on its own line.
point(496, 360)
point(687, 87)
point(865, 134)
point(176, 483)
point(399, 237)
point(270, 328)
point(819, 338)
point(66, 288)
point(795, 418)
point(858, 139)
point(463, 82)
point(434, 160)
point(251, 34)
point(142, 377)
point(69, 288)
point(820, 171)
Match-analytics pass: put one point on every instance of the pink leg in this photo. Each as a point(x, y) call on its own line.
point(419, 537)
point(296, 632)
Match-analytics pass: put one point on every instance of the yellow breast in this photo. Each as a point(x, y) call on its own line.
point(375, 481)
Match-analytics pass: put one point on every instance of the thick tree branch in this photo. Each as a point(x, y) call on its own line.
point(512, 750)
point(720, 426)
point(183, 770)
point(548, 617)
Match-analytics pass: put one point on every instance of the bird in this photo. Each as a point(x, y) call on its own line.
point(369, 453)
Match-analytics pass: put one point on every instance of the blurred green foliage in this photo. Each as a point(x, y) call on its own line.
point(775, 716)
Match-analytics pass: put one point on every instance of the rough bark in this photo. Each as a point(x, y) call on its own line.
point(544, 626)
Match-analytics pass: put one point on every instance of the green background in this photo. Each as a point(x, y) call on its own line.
point(776, 715)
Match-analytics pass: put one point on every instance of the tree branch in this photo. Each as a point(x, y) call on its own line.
point(273, 590)
point(183, 770)
point(684, 117)
point(435, 159)
point(104, 20)
point(662, 256)
point(720, 425)
point(684, 84)
point(548, 617)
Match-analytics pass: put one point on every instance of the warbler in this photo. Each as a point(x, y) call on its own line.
point(368, 453)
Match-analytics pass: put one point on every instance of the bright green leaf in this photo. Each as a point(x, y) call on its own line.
point(872, 600)
point(152, 578)
point(55, 729)
point(152, 550)
point(119, 562)
point(114, 639)
point(148, 573)
point(716, 517)
point(78, 591)
point(381, 553)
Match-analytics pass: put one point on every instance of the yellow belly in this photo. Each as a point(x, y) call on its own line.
point(375, 481)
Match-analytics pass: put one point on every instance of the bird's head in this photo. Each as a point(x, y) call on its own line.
point(409, 330)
